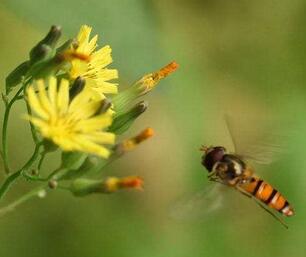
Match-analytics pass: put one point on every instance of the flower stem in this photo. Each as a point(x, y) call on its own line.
point(4, 130)
point(10, 179)
point(22, 199)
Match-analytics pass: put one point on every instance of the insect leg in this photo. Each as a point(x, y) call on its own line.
point(262, 206)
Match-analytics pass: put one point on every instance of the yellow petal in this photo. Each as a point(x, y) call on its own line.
point(52, 92)
point(92, 45)
point(35, 104)
point(96, 123)
point(43, 98)
point(63, 97)
point(108, 74)
point(94, 148)
point(106, 87)
point(79, 100)
point(101, 137)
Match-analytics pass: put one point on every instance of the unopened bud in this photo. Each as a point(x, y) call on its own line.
point(41, 52)
point(83, 187)
point(141, 87)
point(46, 44)
point(77, 86)
point(53, 36)
point(123, 122)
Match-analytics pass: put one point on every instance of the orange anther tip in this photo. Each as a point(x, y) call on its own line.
point(148, 132)
point(145, 134)
point(132, 182)
point(169, 68)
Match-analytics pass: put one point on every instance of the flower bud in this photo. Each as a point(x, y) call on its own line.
point(42, 52)
point(141, 87)
point(83, 187)
point(48, 42)
point(123, 122)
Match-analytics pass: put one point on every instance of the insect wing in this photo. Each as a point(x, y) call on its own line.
point(259, 139)
point(200, 204)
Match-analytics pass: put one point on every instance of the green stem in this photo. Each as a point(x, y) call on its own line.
point(8, 108)
point(10, 179)
point(22, 199)
point(52, 175)
point(34, 178)
point(42, 157)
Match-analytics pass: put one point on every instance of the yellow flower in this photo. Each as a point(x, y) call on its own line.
point(94, 70)
point(73, 126)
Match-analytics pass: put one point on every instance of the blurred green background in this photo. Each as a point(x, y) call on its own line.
point(242, 57)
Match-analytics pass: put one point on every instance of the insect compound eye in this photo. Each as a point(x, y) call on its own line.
point(213, 155)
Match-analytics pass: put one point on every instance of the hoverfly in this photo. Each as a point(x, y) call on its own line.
point(234, 171)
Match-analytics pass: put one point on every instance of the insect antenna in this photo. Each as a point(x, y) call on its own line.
point(203, 148)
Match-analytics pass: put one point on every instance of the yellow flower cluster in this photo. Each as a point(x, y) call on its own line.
point(72, 125)
point(94, 71)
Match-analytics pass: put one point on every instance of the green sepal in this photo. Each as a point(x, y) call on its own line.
point(123, 99)
point(73, 160)
point(83, 186)
point(64, 46)
point(16, 76)
point(82, 170)
point(91, 166)
point(49, 146)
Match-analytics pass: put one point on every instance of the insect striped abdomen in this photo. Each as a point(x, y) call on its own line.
point(268, 195)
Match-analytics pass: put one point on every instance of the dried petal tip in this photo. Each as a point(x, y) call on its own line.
point(147, 133)
point(149, 81)
point(131, 143)
point(134, 182)
point(113, 184)
point(165, 71)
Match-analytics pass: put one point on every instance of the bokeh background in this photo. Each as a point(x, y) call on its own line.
point(242, 57)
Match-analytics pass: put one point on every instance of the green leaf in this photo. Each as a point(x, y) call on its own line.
point(15, 77)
